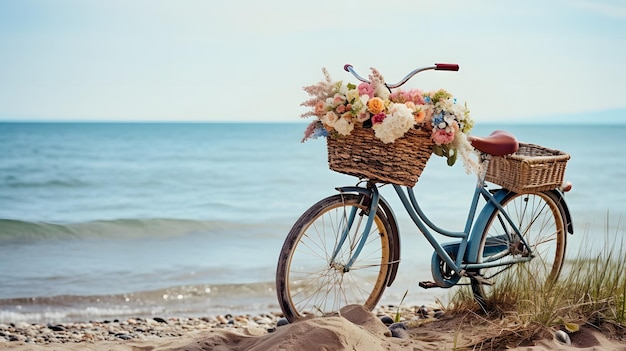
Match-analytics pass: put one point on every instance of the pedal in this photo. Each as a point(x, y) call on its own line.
point(428, 285)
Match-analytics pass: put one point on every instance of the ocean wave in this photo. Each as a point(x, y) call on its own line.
point(17, 230)
point(18, 183)
point(181, 301)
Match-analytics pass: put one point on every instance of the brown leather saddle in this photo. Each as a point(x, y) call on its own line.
point(498, 143)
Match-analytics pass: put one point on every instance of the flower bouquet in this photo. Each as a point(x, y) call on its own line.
point(369, 120)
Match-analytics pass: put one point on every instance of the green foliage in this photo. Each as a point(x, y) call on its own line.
point(469, 123)
point(440, 95)
point(397, 318)
point(446, 151)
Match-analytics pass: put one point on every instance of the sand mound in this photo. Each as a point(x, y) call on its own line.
point(355, 329)
point(358, 329)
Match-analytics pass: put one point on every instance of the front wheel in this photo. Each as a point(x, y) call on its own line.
point(541, 223)
point(310, 281)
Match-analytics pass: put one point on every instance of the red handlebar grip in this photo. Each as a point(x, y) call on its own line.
point(346, 66)
point(446, 67)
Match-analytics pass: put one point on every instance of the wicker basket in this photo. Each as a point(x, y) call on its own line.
point(531, 168)
point(363, 155)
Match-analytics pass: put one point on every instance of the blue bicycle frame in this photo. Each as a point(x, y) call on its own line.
point(466, 252)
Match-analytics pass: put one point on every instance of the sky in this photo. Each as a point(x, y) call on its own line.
point(247, 60)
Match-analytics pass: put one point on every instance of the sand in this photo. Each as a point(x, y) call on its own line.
point(355, 329)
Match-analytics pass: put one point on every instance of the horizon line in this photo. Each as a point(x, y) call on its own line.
point(489, 122)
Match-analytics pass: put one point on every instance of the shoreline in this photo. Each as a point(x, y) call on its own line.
point(132, 328)
point(155, 328)
point(354, 328)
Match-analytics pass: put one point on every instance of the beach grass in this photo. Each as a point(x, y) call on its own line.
point(590, 292)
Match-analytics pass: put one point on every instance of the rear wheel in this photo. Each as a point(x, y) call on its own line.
point(310, 282)
point(539, 219)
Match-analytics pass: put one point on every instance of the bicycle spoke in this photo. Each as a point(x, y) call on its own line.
point(315, 277)
point(542, 230)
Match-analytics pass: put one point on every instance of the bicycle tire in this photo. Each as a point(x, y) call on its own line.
point(540, 221)
point(308, 283)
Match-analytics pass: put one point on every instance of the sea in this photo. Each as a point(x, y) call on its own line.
point(102, 221)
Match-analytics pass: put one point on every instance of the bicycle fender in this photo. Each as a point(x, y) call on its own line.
point(564, 209)
point(394, 241)
point(394, 235)
point(473, 245)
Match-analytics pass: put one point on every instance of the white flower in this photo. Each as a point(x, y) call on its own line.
point(359, 107)
point(343, 90)
point(458, 111)
point(353, 95)
point(395, 125)
point(401, 110)
point(330, 118)
point(382, 91)
point(449, 119)
point(446, 105)
point(343, 126)
point(362, 103)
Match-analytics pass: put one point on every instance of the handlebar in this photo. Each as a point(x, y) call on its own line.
point(446, 67)
point(437, 67)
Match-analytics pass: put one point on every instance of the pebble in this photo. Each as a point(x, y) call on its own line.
point(157, 327)
point(399, 333)
point(160, 320)
point(562, 337)
point(407, 316)
point(133, 328)
point(386, 320)
point(398, 325)
point(423, 311)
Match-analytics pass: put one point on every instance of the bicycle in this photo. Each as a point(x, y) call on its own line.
point(345, 249)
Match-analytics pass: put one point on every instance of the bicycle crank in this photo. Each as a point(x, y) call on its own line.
point(444, 276)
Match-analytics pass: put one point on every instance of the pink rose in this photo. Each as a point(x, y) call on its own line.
point(378, 118)
point(339, 99)
point(415, 95)
point(366, 89)
point(442, 137)
point(397, 96)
